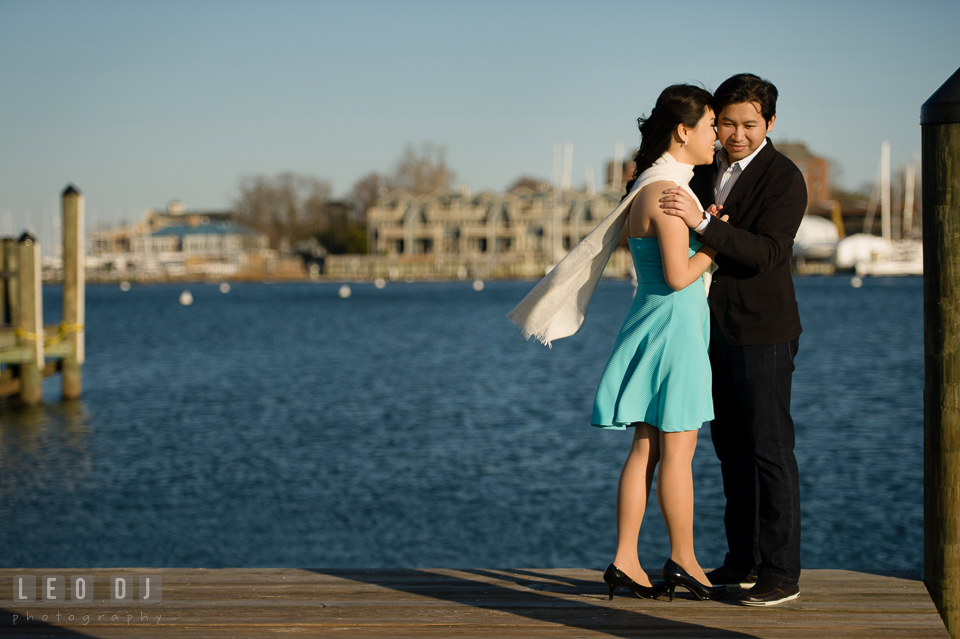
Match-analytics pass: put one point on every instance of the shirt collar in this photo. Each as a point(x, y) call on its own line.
point(723, 163)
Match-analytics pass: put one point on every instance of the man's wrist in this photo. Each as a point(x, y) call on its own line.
point(700, 228)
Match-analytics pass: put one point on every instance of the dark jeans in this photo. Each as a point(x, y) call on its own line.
point(753, 436)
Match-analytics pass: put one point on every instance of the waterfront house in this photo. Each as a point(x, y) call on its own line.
point(180, 243)
point(541, 224)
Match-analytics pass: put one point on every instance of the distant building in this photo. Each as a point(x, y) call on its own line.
point(815, 169)
point(523, 222)
point(219, 238)
point(177, 242)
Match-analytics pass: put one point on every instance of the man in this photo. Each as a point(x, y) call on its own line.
point(755, 326)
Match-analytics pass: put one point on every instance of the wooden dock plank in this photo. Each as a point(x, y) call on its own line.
point(466, 603)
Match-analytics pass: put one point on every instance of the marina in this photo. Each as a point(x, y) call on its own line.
point(381, 431)
point(61, 458)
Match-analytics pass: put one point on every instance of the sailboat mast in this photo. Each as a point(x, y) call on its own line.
point(557, 176)
point(885, 190)
point(617, 181)
point(568, 166)
point(908, 189)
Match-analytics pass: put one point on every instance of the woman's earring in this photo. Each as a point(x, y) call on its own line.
point(684, 143)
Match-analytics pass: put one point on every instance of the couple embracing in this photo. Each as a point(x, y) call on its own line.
point(684, 357)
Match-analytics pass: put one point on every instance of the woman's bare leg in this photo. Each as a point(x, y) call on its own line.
point(633, 491)
point(675, 494)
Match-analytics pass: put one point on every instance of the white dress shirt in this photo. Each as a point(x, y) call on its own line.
point(727, 175)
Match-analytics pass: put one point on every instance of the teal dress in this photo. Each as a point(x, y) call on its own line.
point(659, 371)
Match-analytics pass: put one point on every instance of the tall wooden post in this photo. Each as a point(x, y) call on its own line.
point(940, 126)
point(10, 264)
point(6, 374)
point(3, 283)
point(30, 323)
point(4, 304)
point(73, 290)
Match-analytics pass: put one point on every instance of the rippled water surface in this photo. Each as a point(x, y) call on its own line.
point(280, 425)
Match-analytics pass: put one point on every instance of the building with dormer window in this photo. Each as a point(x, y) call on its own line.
point(543, 224)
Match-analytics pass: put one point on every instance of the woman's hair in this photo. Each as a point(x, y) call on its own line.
point(678, 104)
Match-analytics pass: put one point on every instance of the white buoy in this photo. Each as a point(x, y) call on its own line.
point(124, 286)
point(344, 292)
point(186, 298)
point(224, 288)
point(478, 285)
point(379, 282)
point(856, 281)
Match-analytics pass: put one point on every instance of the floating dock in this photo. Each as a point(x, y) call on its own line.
point(249, 602)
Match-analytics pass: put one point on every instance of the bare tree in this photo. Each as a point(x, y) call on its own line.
point(423, 171)
point(298, 207)
point(417, 171)
point(288, 205)
point(365, 193)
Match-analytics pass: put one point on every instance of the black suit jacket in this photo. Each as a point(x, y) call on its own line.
point(752, 295)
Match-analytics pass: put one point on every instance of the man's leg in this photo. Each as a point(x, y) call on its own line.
point(734, 447)
point(765, 397)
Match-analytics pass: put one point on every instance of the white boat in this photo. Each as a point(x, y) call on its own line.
point(884, 256)
point(816, 239)
point(906, 258)
point(872, 255)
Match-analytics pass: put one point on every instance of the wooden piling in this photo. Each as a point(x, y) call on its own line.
point(9, 303)
point(9, 265)
point(940, 127)
point(73, 291)
point(4, 303)
point(30, 321)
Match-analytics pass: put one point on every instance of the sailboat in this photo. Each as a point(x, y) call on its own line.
point(885, 256)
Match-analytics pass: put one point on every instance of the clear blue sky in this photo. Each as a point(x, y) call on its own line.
point(139, 103)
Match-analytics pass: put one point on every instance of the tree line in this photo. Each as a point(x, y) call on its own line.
point(294, 209)
point(291, 208)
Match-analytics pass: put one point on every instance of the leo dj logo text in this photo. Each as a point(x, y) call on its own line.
point(54, 589)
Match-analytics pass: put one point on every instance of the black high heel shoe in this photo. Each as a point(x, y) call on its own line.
point(616, 578)
point(674, 575)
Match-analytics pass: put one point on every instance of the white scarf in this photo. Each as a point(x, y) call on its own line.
point(557, 306)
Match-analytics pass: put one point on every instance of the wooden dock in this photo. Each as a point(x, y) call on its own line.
point(247, 602)
point(29, 350)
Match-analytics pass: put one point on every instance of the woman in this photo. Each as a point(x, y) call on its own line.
point(657, 379)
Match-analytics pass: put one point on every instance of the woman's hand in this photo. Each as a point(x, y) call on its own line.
point(714, 210)
point(678, 203)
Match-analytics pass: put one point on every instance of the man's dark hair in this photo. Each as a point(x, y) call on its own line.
point(746, 87)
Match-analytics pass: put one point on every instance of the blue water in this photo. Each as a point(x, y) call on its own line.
point(280, 425)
